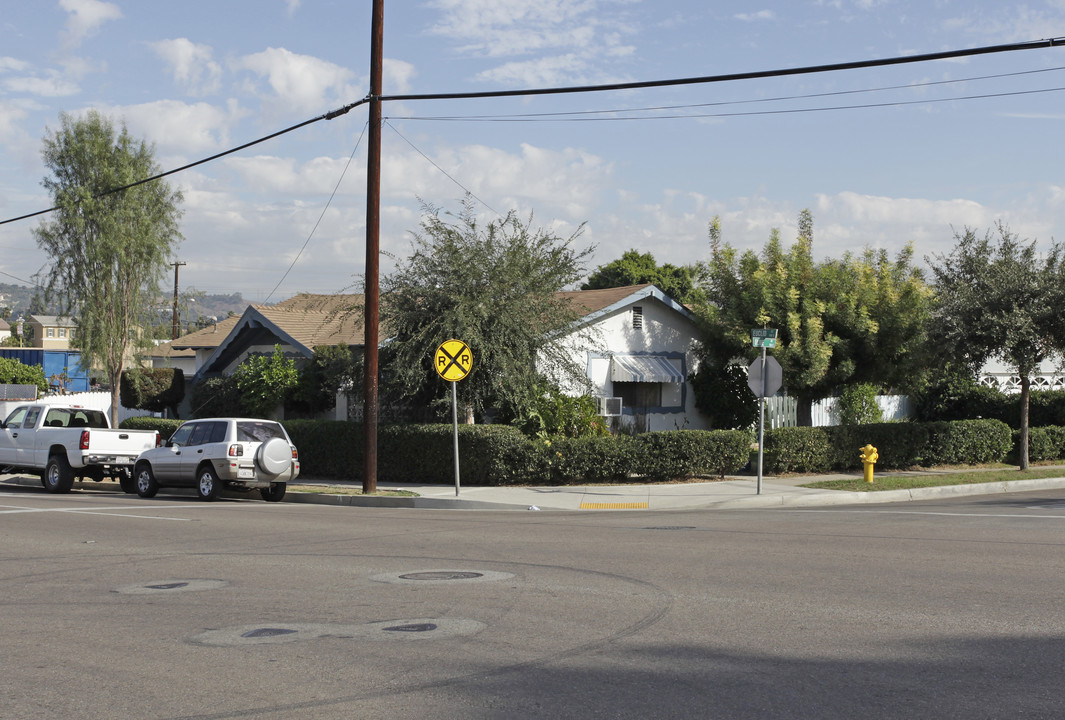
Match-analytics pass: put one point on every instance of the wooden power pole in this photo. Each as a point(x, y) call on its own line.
point(176, 265)
point(373, 242)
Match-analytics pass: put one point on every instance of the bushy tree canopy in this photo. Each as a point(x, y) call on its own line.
point(998, 297)
point(635, 268)
point(491, 285)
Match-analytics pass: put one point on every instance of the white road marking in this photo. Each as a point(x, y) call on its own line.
point(1041, 516)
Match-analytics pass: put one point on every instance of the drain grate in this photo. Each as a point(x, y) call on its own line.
point(414, 627)
point(167, 586)
point(442, 575)
point(267, 632)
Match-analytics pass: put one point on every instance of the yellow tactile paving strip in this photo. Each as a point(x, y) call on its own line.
point(614, 506)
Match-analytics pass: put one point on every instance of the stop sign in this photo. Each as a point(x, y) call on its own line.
point(773, 376)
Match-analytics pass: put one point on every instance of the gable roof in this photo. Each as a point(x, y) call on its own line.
point(594, 304)
point(56, 320)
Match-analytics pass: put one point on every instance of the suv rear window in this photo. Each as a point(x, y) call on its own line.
point(259, 431)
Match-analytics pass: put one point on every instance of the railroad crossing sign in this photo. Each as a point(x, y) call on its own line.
point(453, 360)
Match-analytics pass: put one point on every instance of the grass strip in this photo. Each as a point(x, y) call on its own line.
point(908, 482)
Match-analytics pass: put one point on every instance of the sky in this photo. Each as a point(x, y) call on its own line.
point(882, 157)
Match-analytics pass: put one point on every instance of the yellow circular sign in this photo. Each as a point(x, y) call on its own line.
point(453, 360)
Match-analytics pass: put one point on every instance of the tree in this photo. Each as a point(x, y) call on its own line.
point(859, 319)
point(265, 382)
point(109, 250)
point(493, 286)
point(634, 268)
point(154, 389)
point(1000, 299)
point(13, 372)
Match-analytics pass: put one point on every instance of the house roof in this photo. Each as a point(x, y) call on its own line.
point(307, 320)
point(58, 321)
point(167, 350)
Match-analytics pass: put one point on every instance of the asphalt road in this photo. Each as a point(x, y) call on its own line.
point(118, 607)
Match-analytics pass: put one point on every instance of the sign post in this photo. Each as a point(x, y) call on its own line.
point(453, 361)
point(764, 378)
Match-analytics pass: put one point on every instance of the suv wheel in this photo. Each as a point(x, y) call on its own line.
point(146, 484)
point(208, 486)
point(274, 493)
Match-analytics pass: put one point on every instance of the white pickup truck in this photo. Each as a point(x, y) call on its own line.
point(64, 442)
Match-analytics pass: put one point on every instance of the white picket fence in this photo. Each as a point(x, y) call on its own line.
point(782, 411)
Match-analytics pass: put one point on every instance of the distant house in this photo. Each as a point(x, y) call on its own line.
point(5, 329)
point(51, 332)
point(636, 343)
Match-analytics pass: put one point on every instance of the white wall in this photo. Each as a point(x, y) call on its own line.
point(92, 400)
point(664, 332)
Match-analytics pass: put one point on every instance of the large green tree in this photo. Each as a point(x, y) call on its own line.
point(999, 297)
point(857, 319)
point(635, 268)
point(108, 249)
point(493, 286)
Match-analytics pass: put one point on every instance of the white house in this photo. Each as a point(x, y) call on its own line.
point(638, 346)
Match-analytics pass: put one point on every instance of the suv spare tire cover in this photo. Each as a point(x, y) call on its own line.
point(274, 456)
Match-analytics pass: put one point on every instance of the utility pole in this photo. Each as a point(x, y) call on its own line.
point(176, 266)
point(373, 243)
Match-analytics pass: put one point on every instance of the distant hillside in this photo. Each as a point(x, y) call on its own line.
point(16, 300)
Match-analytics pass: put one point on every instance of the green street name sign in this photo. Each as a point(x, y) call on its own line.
point(764, 337)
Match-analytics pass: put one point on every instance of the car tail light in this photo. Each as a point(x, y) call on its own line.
point(84, 445)
point(158, 439)
point(236, 450)
point(295, 455)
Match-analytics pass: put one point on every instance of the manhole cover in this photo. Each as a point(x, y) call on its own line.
point(672, 527)
point(167, 586)
point(442, 575)
point(415, 627)
point(267, 632)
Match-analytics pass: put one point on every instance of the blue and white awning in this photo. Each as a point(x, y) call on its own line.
point(644, 368)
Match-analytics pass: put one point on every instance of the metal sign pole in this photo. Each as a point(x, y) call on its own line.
point(455, 427)
point(761, 424)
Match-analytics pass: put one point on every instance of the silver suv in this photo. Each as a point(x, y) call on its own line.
point(215, 453)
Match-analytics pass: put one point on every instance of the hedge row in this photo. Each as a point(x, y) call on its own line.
point(501, 454)
point(899, 445)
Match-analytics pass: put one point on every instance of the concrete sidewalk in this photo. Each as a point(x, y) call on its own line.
point(733, 492)
point(730, 493)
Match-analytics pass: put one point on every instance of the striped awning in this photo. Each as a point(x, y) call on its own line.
point(644, 368)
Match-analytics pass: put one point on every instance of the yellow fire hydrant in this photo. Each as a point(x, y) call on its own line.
point(869, 456)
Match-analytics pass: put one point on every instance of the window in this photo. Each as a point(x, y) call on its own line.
point(180, 438)
point(15, 418)
point(50, 332)
point(637, 317)
point(200, 434)
point(259, 431)
point(637, 395)
point(31, 417)
point(62, 332)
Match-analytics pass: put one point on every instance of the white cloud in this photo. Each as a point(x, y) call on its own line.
point(756, 16)
point(50, 84)
point(397, 75)
point(573, 36)
point(85, 17)
point(179, 128)
point(301, 82)
point(191, 64)
point(291, 6)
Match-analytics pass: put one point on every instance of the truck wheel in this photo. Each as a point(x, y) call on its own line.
point(274, 493)
point(208, 486)
point(125, 480)
point(58, 475)
point(145, 480)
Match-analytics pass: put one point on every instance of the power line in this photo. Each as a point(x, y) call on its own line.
point(750, 113)
point(808, 70)
point(723, 103)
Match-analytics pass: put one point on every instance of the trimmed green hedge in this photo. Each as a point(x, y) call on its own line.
point(899, 445)
point(165, 426)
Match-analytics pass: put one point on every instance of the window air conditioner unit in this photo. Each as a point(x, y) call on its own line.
point(608, 406)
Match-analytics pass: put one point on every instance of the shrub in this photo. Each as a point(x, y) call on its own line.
point(796, 449)
point(671, 454)
point(164, 426)
point(266, 382)
point(899, 445)
point(858, 405)
point(13, 372)
point(589, 459)
point(217, 397)
point(968, 442)
point(154, 389)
